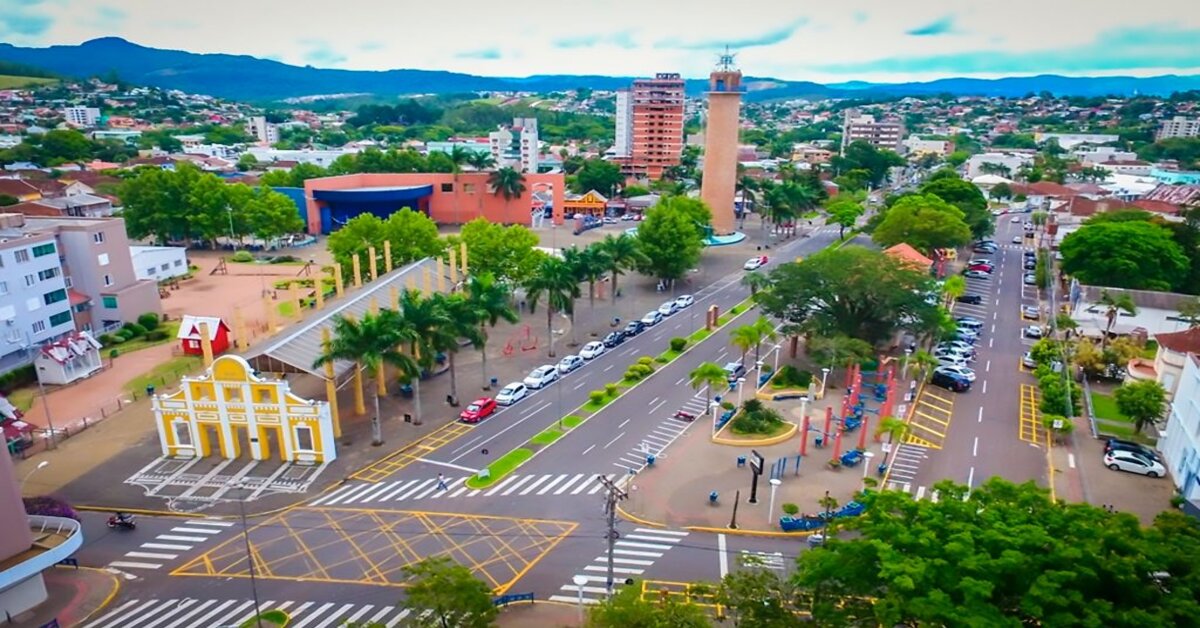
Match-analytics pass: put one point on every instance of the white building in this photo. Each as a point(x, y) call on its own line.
point(878, 133)
point(9, 141)
point(322, 158)
point(1131, 167)
point(1010, 160)
point(623, 144)
point(1178, 126)
point(74, 356)
point(1093, 155)
point(1180, 445)
point(82, 116)
point(1069, 141)
point(158, 262)
point(914, 145)
point(264, 131)
point(516, 146)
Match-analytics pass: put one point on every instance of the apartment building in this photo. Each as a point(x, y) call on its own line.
point(516, 146)
point(34, 305)
point(1180, 445)
point(887, 134)
point(915, 146)
point(656, 114)
point(88, 117)
point(263, 131)
point(1178, 126)
point(623, 141)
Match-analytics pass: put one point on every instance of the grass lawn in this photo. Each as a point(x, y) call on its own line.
point(8, 81)
point(547, 436)
point(22, 398)
point(595, 407)
point(164, 375)
point(698, 335)
point(286, 309)
point(779, 429)
point(571, 420)
point(171, 327)
point(269, 618)
point(1150, 350)
point(1123, 431)
point(500, 468)
point(1105, 407)
point(668, 355)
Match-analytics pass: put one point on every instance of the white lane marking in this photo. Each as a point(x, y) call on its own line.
point(403, 486)
point(566, 486)
point(546, 488)
point(590, 447)
point(193, 530)
point(975, 447)
point(450, 465)
point(722, 556)
point(980, 419)
point(993, 328)
point(130, 565)
point(625, 552)
point(987, 367)
point(657, 405)
point(971, 478)
point(985, 386)
point(680, 380)
point(1071, 460)
point(151, 555)
point(175, 537)
point(991, 341)
point(615, 439)
point(583, 485)
point(653, 546)
point(379, 489)
point(994, 315)
point(623, 423)
point(414, 490)
point(209, 522)
point(609, 367)
point(621, 570)
point(579, 385)
point(166, 546)
point(653, 400)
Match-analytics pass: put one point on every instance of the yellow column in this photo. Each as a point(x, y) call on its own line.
point(374, 305)
point(331, 387)
point(357, 272)
point(269, 305)
point(453, 267)
point(338, 285)
point(462, 256)
point(395, 298)
point(387, 256)
point(295, 298)
point(425, 279)
point(206, 345)
point(319, 282)
point(240, 339)
point(360, 406)
point(441, 276)
point(373, 266)
point(412, 281)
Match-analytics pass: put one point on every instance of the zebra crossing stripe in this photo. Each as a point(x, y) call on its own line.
point(502, 484)
point(569, 483)
point(402, 486)
point(310, 618)
point(374, 493)
point(418, 487)
point(557, 479)
point(528, 489)
point(516, 485)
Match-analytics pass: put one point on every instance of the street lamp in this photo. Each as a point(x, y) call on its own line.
point(249, 555)
point(775, 482)
point(804, 410)
point(579, 582)
point(778, 350)
point(904, 368)
point(824, 377)
point(741, 385)
point(712, 406)
point(758, 372)
point(41, 465)
point(867, 462)
point(232, 238)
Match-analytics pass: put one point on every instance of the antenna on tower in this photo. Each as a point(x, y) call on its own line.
point(725, 61)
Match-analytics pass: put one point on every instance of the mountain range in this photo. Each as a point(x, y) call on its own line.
point(241, 77)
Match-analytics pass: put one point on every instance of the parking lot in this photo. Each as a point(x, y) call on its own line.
point(1127, 492)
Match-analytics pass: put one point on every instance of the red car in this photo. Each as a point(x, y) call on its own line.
point(479, 409)
point(987, 268)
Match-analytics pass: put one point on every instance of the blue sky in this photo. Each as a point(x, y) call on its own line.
point(873, 40)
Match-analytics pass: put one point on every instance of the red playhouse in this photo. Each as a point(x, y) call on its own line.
point(189, 334)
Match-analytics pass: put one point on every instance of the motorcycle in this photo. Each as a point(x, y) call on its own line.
point(126, 524)
point(685, 416)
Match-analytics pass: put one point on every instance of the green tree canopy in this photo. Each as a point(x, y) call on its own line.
point(843, 212)
point(1143, 401)
point(443, 594)
point(669, 240)
point(965, 196)
point(852, 291)
point(925, 222)
point(412, 235)
point(600, 175)
point(1131, 254)
point(627, 609)
point(505, 251)
point(860, 155)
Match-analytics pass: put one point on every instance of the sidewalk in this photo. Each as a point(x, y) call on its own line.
point(75, 595)
point(543, 614)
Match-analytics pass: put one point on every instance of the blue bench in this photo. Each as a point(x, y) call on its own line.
point(799, 524)
point(852, 458)
point(505, 600)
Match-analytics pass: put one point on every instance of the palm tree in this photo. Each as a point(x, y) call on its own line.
point(955, 286)
point(745, 337)
point(747, 185)
point(893, 427)
point(710, 375)
point(922, 360)
point(1115, 305)
point(507, 182)
point(756, 282)
point(371, 343)
point(588, 264)
point(490, 302)
point(464, 324)
point(620, 254)
point(422, 319)
point(481, 161)
point(766, 331)
point(554, 279)
point(458, 156)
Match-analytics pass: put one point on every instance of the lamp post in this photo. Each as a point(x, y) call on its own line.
point(46, 407)
point(775, 482)
point(804, 410)
point(778, 350)
point(41, 465)
point(713, 405)
point(904, 367)
point(249, 556)
point(867, 455)
point(232, 238)
point(824, 378)
point(741, 385)
point(758, 372)
point(579, 582)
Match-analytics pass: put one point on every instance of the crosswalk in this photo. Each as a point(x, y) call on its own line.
point(904, 465)
point(165, 547)
point(764, 560)
point(659, 438)
point(195, 613)
point(517, 485)
point(634, 552)
point(907, 487)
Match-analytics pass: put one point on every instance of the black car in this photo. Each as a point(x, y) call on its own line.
point(613, 339)
point(973, 299)
point(1128, 445)
point(950, 381)
point(634, 328)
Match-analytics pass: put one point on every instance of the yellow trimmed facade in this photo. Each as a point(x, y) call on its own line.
point(230, 409)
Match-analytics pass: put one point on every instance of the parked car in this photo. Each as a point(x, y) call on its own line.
point(1031, 312)
point(1121, 460)
point(1028, 361)
point(569, 363)
point(970, 322)
point(950, 382)
point(478, 410)
point(1128, 445)
point(976, 274)
point(960, 371)
point(951, 360)
point(1029, 279)
point(613, 339)
point(634, 328)
point(668, 308)
point(957, 345)
point(983, 268)
point(980, 248)
point(755, 263)
point(511, 394)
point(652, 318)
point(734, 370)
point(1015, 219)
point(591, 350)
point(965, 335)
point(953, 354)
point(979, 261)
point(970, 299)
point(684, 301)
point(541, 376)
point(1032, 331)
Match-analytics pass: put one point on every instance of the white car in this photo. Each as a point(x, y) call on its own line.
point(1029, 279)
point(1031, 312)
point(652, 318)
point(542, 376)
point(1028, 361)
point(969, 322)
point(592, 350)
point(668, 308)
point(1032, 331)
point(949, 360)
point(1015, 219)
point(1017, 240)
point(511, 394)
point(953, 353)
point(755, 263)
point(960, 371)
point(976, 274)
point(569, 363)
point(1121, 460)
point(956, 344)
point(979, 260)
point(684, 301)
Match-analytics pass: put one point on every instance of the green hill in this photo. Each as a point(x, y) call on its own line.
point(8, 81)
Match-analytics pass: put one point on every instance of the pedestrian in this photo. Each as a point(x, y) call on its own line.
point(441, 485)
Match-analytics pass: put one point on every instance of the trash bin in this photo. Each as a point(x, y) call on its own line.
point(150, 390)
point(495, 382)
point(741, 461)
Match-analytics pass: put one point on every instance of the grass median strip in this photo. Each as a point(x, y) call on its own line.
point(547, 436)
point(500, 468)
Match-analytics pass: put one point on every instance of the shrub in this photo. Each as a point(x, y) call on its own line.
point(763, 421)
point(116, 339)
point(661, 359)
point(282, 284)
point(18, 377)
point(106, 339)
point(149, 320)
point(242, 257)
point(610, 390)
point(133, 330)
point(647, 360)
point(156, 335)
point(677, 344)
point(112, 355)
point(47, 506)
point(791, 377)
point(727, 405)
point(753, 405)
point(596, 397)
point(790, 509)
point(631, 375)
point(285, 259)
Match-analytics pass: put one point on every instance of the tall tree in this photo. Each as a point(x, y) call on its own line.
point(967, 197)
point(765, 330)
point(1144, 401)
point(844, 213)
point(599, 175)
point(422, 320)
point(628, 609)
point(925, 222)
point(506, 251)
point(508, 183)
point(708, 375)
point(1134, 254)
point(743, 338)
point(669, 241)
point(463, 324)
point(444, 594)
point(953, 287)
point(491, 302)
point(554, 280)
point(621, 253)
point(412, 235)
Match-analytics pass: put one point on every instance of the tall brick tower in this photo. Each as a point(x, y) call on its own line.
point(721, 143)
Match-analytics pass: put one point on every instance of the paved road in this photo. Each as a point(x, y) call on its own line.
point(982, 431)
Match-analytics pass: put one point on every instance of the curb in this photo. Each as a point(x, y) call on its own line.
point(638, 520)
point(143, 512)
point(761, 442)
point(760, 533)
point(108, 599)
point(907, 420)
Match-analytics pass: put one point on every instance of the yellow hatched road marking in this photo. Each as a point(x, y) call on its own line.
point(938, 397)
point(914, 440)
point(931, 431)
point(412, 453)
point(945, 421)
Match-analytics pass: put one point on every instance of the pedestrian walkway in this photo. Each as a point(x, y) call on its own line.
point(514, 485)
point(660, 437)
point(633, 554)
point(921, 493)
point(153, 555)
point(195, 613)
point(904, 465)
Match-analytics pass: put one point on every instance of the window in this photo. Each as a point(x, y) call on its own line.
point(67, 280)
point(102, 259)
point(108, 280)
point(3, 287)
point(109, 301)
point(39, 327)
point(233, 393)
point(1, 261)
point(151, 270)
point(165, 267)
point(22, 256)
point(54, 297)
point(60, 318)
point(43, 249)
point(304, 438)
point(49, 273)
point(447, 187)
point(264, 395)
point(98, 237)
point(183, 433)
point(178, 263)
point(469, 188)
point(30, 279)
point(13, 336)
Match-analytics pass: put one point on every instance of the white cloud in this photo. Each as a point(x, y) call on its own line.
point(632, 37)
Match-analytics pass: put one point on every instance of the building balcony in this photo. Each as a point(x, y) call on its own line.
point(1141, 369)
point(54, 538)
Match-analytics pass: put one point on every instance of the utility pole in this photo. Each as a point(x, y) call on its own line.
point(611, 497)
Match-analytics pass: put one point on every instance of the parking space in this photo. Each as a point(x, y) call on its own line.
point(931, 416)
point(1029, 426)
point(1126, 492)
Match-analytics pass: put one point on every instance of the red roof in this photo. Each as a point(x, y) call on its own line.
point(1186, 341)
point(1158, 207)
point(17, 188)
point(77, 297)
point(906, 253)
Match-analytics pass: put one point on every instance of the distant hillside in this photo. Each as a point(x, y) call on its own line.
point(248, 78)
point(19, 75)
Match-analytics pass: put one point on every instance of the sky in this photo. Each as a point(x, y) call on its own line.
point(818, 40)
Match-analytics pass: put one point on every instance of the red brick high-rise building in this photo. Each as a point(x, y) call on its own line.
point(656, 126)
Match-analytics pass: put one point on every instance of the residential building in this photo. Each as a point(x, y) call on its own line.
point(470, 146)
point(656, 131)
point(886, 134)
point(1176, 177)
point(1180, 443)
point(323, 158)
point(623, 141)
point(1178, 126)
point(263, 131)
point(1093, 155)
point(76, 205)
point(1068, 141)
point(19, 189)
point(811, 154)
point(88, 117)
point(158, 263)
point(74, 356)
point(1007, 162)
point(915, 146)
point(123, 135)
point(1133, 167)
point(34, 305)
point(516, 146)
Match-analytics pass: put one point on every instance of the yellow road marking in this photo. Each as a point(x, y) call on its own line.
point(1029, 426)
point(943, 422)
point(412, 452)
point(931, 431)
point(915, 440)
point(938, 397)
